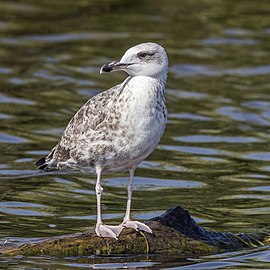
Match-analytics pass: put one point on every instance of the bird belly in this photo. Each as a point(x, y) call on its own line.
point(138, 142)
point(142, 124)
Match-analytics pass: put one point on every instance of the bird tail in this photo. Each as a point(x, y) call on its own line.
point(43, 163)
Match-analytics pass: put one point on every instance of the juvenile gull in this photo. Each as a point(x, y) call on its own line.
point(117, 129)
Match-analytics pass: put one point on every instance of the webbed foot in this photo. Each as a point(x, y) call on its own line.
point(137, 225)
point(103, 230)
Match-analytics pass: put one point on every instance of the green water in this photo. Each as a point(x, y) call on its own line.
point(213, 159)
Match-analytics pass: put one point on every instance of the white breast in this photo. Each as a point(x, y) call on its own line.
point(143, 117)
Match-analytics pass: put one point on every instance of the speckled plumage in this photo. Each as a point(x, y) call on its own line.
point(117, 129)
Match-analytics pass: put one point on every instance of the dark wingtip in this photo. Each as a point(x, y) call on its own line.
point(43, 167)
point(40, 162)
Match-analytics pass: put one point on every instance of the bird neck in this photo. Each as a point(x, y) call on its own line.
point(139, 85)
point(159, 78)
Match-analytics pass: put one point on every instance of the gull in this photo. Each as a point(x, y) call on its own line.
point(117, 129)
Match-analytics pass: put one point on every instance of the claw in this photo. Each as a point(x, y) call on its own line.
point(138, 226)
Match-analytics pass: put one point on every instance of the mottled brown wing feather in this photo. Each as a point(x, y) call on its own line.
point(87, 118)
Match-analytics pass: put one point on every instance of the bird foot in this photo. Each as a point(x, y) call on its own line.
point(103, 230)
point(138, 226)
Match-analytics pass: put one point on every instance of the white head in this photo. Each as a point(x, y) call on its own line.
point(145, 59)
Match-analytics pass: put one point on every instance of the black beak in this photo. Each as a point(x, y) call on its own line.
point(112, 66)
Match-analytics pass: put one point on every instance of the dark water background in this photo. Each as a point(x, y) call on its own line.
point(214, 158)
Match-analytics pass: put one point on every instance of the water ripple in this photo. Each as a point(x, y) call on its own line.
point(237, 32)
point(44, 74)
point(263, 156)
point(5, 70)
point(17, 172)
point(257, 104)
point(190, 116)
point(147, 164)
point(194, 150)
point(153, 183)
point(185, 94)
point(249, 71)
point(237, 114)
point(22, 208)
point(63, 37)
point(184, 70)
point(260, 188)
point(6, 138)
point(5, 116)
point(229, 41)
point(216, 139)
point(20, 101)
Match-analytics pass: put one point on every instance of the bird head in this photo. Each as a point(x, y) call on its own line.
point(145, 59)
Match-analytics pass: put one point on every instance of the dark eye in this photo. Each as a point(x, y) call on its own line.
point(142, 54)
